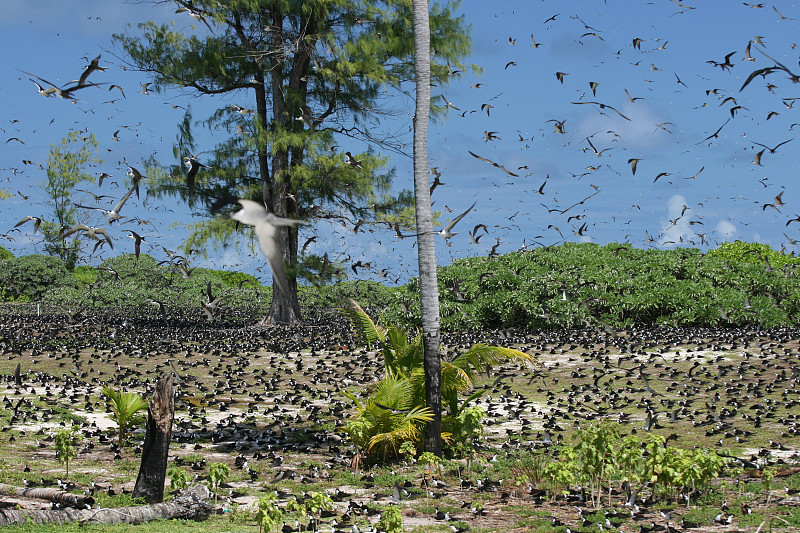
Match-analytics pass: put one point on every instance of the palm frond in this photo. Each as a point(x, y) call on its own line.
point(404, 427)
point(482, 357)
point(353, 398)
point(363, 324)
point(407, 356)
point(394, 391)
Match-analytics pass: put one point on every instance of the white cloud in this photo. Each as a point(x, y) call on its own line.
point(611, 130)
point(726, 228)
point(676, 228)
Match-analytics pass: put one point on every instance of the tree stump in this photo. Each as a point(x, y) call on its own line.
point(153, 468)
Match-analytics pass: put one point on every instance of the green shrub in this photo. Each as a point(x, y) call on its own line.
point(395, 412)
point(30, 276)
point(125, 407)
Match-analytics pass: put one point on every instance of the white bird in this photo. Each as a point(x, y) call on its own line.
point(113, 214)
point(446, 231)
point(266, 227)
point(91, 232)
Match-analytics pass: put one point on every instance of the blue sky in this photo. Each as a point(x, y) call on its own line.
point(591, 41)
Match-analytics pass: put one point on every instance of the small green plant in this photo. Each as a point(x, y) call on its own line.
point(318, 502)
point(767, 476)
point(431, 461)
point(65, 449)
point(124, 408)
point(391, 521)
point(178, 478)
point(217, 474)
point(408, 450)
point(559, 475)
point(269, 515)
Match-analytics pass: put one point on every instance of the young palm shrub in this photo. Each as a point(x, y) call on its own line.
point(387, 419)
point(396, 411)
point(124, 408)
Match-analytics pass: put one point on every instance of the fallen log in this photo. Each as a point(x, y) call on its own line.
point(63, 498)
point(190, 504)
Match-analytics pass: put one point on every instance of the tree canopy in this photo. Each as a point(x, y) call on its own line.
point(303, 76)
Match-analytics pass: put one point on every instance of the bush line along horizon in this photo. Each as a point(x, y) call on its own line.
point(572, 285)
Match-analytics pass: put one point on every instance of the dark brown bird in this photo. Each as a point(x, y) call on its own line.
point(725, 64)
point(93, 65)
point(36, 223)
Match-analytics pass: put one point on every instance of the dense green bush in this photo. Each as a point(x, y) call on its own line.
point(5, 255)
point(573, 285)
point(584, 284)
point(31, 276)
point(751, 252)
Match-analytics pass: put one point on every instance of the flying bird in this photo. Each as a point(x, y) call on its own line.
point(501, 167)
point(60, 92)
point(113, 214)
point(136, 176)
point(137, 245)
point(772, 150)
point(36, 223)
point(588, 140)
point(91, 232)
point(725, 64)
point(446, 233)
point(714, 135)
point(603, 106)
point(632, 98)
point(266, 227)
point(558, 125)
point(352, 161)
point(757, 158)
point(194, 166)
point(93, 65)
point(698, 173)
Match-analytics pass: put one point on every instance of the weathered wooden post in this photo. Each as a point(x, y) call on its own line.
point(153, 468)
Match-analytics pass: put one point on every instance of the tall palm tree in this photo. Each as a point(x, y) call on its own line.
point(426, 250)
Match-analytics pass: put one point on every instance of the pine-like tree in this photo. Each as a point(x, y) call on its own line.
point(305, 74)
point(66, 168)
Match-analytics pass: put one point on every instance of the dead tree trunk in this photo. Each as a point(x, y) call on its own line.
point(191, 504)
point(153, 469)
point(63, 498)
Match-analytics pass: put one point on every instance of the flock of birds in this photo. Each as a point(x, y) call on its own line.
point(252, 213)
point(601, 147)
point(271, 399)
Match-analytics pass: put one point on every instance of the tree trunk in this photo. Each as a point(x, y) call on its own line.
point(153, 468)
point(191, 504)
point(63, 498)
point(426, 250)
point(285, 308)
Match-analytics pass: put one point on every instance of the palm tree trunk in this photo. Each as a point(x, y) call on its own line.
point(426, 250)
